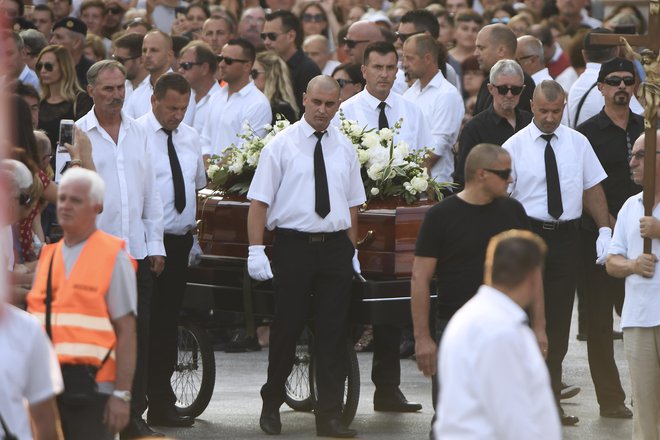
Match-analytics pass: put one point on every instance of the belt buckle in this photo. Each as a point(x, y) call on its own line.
point(550, 225)
point(317, 238)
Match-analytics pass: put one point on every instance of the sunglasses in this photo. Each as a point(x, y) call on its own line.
point(316, 18)
point(187, 65)
point(115, 10)
point(404, 37)
point(272, 36)
point(343, 82)
point(351, 44)
point(123, 60)
point(502, 174)
point(229, 61)
point(503, 90)
point(48, 66)
point(614, 81)
point(254, 73)
point(639, 155)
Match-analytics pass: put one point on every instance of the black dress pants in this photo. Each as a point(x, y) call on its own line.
point(602, 291)
point(84, 422)
point(386, 366)
point(559, 283)
point(140, 379)
point(169, 288)
point(324, 271)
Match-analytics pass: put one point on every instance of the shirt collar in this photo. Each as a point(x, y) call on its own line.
point(536, 133)
point(437, 81)
point(25, 72)
point(603, 121)
point(504, 303)
point(296, 58)
point(90, 121)
point(307, 129)
point(153, 123)
point(373, 101)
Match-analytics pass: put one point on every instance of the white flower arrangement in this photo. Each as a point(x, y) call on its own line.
point(389, 169)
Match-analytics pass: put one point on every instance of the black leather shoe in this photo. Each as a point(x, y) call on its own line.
point(393, 400)
point(138, 428)
point(568, 391)
point(619, 411)
point(169, 417)
point(269, 422)
point(567, 420)
point(334, 428)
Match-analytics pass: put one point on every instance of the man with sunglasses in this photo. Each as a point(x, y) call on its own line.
point(500, 120)
point(283, 35)
point(555, 174)
point(235, 104)
point(128, 51)
point(114, 18)
point(611, 134)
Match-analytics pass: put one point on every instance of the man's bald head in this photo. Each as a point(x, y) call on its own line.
point(360, 34)
point(480, 157)
point(323, 83)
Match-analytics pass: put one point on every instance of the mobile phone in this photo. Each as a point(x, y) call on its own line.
point(67, 133)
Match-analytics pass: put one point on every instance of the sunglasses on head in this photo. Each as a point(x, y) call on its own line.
point(343, 82)
point(123, 60)
point(187, 65)
point(503, 90)
point(272, 36)
point(48, 66)
point(229, 61)
point(317, 18)
point(404, 37)
point(351, 44)
point(614, 81)
point(502, 174)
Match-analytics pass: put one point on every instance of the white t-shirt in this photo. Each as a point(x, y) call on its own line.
point(29, 371)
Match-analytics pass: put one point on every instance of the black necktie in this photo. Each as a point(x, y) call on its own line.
point(555, 206)
point(322, 201)
point(382, 118)
point(177, 175)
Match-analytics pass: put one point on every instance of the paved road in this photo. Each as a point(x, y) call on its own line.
point(234, 410)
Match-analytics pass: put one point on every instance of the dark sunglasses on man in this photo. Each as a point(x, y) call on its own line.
point(123, 60)
point(403, 37)
point(614, 81)
point(351, 44)
point(229, 61)
point(187, 65)
point(503, 90)
point(272, 36)
point(343, 82)
point(502, 174)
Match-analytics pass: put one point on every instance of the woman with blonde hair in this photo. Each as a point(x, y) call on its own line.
point(271, 75)
point(61, 95)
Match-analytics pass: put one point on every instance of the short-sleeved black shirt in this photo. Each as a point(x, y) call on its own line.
point(303, 69)
point(457, 234)
point(612, 145)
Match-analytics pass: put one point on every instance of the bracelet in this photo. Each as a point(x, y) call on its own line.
point(75, 163)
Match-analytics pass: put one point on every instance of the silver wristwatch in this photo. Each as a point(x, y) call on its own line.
point(122, 395)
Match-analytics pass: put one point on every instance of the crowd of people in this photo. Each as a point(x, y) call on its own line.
point(537, 126)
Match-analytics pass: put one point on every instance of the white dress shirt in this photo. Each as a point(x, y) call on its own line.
point(642, 305)
point(541, 75)
point(443, 107)
point(578, 166)
point(201, 109)
point(138, 103)
point(595, 101)
point(363, 108)
point(28, 76)
point(284, 179)
point(227, 115)
point(128, 90)
point(493, 380)
point(132, 209)
point(189, 153)
point(330, 67)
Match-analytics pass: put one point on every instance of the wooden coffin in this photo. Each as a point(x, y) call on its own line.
point(386, 236)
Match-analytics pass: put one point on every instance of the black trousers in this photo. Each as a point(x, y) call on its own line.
point(169, 288)
point(386, 366)
point(323, 270)
point(559, 283)
point(602, 292)
point(84, 422)
point(140, 379)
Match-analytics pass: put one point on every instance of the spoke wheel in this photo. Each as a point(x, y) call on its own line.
point(298, 389)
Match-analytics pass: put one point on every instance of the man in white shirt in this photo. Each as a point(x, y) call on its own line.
point(157, 57)
point(132, 209)
point(498, 389)
point(556, 60)
point(555, 174)
point(307, 188)
point(529, 54)
point(199, 65)
point(377, 107)
point(237, 103)
point(640, 318)
point(177, 161)
point(217, 31)
point(584, 98)
point(439, 101)
point(316, 47)
point(128, 51)
point(14, 55)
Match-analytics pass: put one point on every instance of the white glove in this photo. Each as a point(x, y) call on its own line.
point(258, 264)
point(603, 244)
point(356, 263)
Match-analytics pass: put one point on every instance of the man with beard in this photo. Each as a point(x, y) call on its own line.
point(611, 133)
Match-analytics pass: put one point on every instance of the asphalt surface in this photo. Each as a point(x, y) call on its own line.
point(234, 410)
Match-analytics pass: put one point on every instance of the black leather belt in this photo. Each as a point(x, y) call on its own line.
point(555, 225)
point(310, 237)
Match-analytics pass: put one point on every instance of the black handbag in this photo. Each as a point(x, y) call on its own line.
point(80, 386)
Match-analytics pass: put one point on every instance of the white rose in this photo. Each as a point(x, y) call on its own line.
point(253, 159)
point(398, 159)
point(354, 129)
point(402, 148)
point(363, 156)
point(408, 187)
point(378, 155)
point(419, 183)
point(212, 169)
point(236, 167)
point(370, 140)
point(386, 134)
point(374, 191)
point(375, 171)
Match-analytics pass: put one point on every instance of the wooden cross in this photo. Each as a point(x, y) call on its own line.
point(650, 63)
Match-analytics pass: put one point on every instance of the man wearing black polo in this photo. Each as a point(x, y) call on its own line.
point(611, 133)
point(307, 188)
point(555, 173)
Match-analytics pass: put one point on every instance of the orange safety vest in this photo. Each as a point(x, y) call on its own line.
point(81, 328)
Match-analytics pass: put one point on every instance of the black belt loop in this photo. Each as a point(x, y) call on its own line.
point(310, 237)
point(551, 225)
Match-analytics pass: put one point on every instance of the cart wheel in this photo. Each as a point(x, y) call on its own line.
point(298, 388)
point(194, 374)
point(351, 385)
